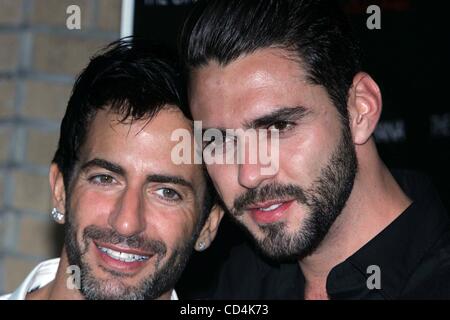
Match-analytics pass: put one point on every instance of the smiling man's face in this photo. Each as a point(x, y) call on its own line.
point(288, 212)
point(132, 214)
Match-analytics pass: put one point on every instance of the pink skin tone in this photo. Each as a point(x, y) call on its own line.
point(128, 202)
point(254, 87)
point(269, 79)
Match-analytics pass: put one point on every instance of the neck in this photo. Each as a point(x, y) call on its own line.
point(376, 200)
point(58, 289)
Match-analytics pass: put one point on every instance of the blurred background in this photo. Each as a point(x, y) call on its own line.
point(40, 57)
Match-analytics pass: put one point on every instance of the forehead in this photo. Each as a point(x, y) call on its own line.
point(249, 86)
point(107, 124)
point(138, 145)
point(257, 70)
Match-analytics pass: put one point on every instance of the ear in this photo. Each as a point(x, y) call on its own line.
point(57, 188)
point(364, 106)
point(210, 228)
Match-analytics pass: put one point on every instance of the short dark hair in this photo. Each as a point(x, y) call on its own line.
point(132, 78)
point(316, 31)
point(128, 77)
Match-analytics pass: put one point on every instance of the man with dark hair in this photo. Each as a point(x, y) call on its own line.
point(132, 216)
point(332, 222)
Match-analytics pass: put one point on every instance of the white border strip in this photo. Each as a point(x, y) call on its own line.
point(127, 19)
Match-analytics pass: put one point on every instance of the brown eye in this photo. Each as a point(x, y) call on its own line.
point(280, 126)
point(103, 179)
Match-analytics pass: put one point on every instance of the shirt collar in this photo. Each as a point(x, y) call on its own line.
point(397, 250)
point(41, 275)
point(174, 295)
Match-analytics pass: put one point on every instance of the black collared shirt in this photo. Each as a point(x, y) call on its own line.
point(412, 254)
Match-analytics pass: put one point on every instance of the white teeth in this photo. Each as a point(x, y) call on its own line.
point(272, 207)
point(122, 256)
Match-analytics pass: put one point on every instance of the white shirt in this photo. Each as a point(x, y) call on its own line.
point(43, 274)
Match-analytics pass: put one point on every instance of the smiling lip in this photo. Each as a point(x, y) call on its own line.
point(121, 249)
point(122, 266)
point(265, 217)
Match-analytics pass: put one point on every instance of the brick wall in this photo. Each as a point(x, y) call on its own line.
point(39, 58)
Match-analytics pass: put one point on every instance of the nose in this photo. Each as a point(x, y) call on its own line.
point(128, 218)
point(251, 173)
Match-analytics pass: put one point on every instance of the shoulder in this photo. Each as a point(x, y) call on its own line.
point(431, 279)
point(40, 276)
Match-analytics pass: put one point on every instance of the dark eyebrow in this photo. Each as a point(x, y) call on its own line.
point(105, 165)
point(151, 178)
point(281, 114)
point(169, 179)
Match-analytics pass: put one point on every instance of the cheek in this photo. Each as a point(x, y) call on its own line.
point(225, 179)
point(309, 152)
point(173, 227)
point(90, 207)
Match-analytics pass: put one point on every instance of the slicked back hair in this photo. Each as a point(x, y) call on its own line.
point(315, 31)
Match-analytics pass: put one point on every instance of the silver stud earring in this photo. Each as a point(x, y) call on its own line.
point(201, 246)
point(57, 216)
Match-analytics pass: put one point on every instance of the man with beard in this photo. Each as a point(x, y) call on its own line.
point(333, 221)
point(132, 217)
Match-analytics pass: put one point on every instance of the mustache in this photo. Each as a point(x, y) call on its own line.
point(137, 242)
point(267, 192)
